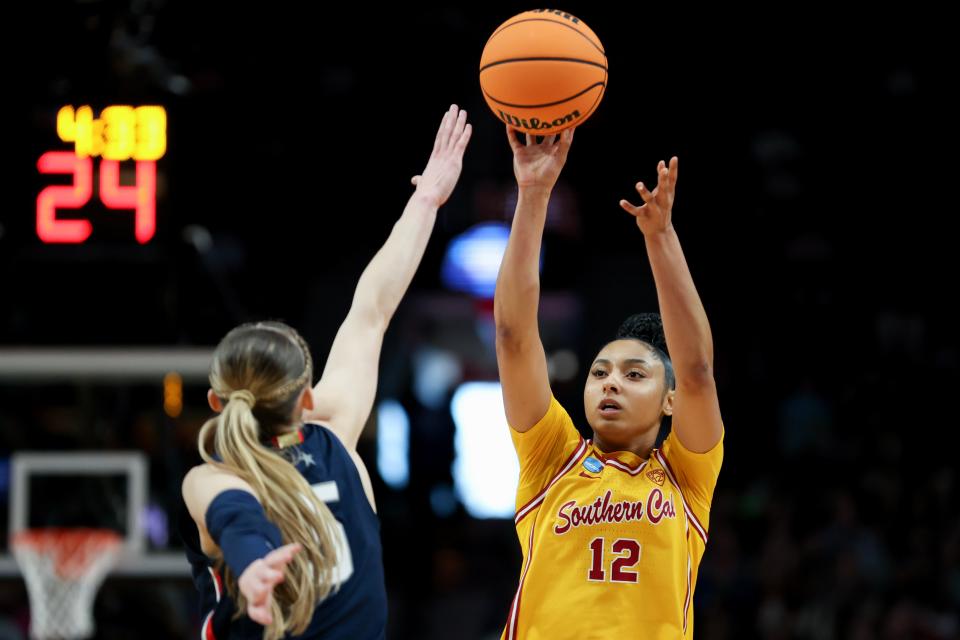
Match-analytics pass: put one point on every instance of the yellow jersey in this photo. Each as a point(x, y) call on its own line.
point(611, 542)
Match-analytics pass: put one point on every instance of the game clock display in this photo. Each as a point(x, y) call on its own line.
point(121, 133)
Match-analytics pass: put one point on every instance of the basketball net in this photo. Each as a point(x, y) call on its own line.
point(63, 569)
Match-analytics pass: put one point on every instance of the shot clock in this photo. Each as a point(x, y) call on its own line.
point(120, 133)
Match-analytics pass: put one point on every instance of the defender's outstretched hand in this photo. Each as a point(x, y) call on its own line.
point(443, 169)
point(258, 580)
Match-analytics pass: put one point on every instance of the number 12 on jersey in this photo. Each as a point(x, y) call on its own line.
point(626, 555)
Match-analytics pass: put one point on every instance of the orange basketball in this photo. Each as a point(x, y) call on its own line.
point(543, 71)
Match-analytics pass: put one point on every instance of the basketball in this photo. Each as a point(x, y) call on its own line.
point(543, 71)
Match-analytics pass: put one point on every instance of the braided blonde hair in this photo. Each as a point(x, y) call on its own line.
point(259, 371)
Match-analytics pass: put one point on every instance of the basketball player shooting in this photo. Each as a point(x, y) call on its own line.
point(612, 529)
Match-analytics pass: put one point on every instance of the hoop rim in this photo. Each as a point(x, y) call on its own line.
point(63, 568)
point(73, 550)
point(44, 538)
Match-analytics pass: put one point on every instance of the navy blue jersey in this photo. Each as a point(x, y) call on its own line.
point(357, 610)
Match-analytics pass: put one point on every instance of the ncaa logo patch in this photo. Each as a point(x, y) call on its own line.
point(592, 465)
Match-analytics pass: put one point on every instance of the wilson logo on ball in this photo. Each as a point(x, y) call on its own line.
point(538, 125)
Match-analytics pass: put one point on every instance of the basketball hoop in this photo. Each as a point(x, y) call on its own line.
point(63, 569)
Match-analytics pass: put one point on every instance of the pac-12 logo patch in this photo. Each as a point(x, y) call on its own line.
point(656, 475)
point(592, 465)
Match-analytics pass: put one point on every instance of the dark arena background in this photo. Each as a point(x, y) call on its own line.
point(815, 204)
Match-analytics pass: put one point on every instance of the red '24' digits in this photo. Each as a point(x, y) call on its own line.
point(141, 196)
